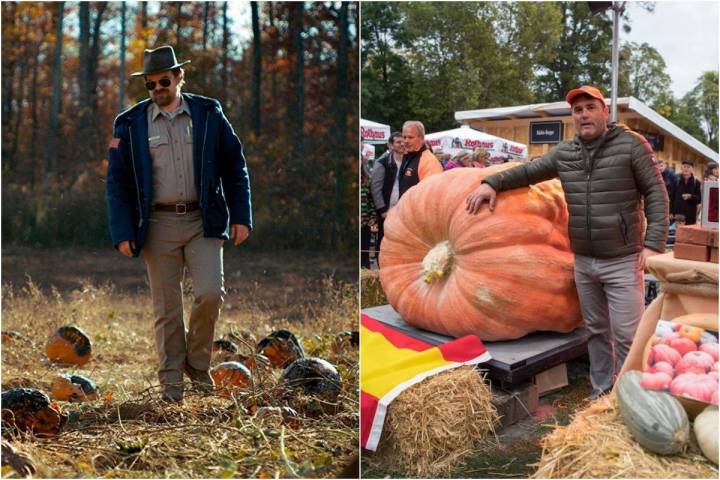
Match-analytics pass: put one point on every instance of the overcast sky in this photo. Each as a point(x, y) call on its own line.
point(684, 32)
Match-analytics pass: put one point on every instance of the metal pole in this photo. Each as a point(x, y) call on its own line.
point(617, 8)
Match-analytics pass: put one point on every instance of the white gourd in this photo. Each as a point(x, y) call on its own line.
point(706, 432)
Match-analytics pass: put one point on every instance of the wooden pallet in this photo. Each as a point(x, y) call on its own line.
point(514, 362)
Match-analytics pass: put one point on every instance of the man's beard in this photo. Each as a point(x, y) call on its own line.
point(163, 98)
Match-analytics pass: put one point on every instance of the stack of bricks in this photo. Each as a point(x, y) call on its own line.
point(693, 242)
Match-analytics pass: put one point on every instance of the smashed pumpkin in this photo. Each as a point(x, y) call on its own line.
point(69, 346)
point(30, 410)
point(229, 376)
point(281, 347)
point(315, 376)
point(73, 388)
point(499, 275)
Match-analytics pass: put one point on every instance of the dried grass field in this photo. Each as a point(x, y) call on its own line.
point(128, 432)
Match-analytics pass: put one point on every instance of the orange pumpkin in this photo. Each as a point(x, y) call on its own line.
point(69, 346)
point(256, 363)
point(281, 347)
point(691, 333)
point(498, 275)
point(229, 376)
point(73, 388)
point(28, 409)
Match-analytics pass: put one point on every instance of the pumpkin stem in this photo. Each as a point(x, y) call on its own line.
point(438, 262)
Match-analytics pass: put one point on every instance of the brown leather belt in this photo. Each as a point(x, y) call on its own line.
point(179, 208)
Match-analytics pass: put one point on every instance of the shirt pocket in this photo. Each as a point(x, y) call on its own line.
point(160, 150)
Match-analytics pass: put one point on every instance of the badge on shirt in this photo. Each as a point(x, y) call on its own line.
point(409, 172)
point(156, 137)
point(114, 143)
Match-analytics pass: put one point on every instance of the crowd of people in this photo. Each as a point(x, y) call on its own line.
point(685, 191)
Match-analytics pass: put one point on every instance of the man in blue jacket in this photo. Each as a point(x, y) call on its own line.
point(177, 187)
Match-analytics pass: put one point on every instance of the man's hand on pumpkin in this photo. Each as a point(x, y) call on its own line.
point(484, 193)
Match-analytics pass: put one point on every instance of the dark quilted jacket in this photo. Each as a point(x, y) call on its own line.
point(604, 192)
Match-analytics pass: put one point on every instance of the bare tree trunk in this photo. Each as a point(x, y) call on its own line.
point(341, 141)
point(273, 53)
point(9, 21)
point(51, 152)
point(122, 76)
point(178, 26)
point(206, 14)
point(257, 69)
point(299, 123)
point(34, 109)
point(225, 43)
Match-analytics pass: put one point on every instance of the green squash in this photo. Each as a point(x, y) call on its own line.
point(656, 420)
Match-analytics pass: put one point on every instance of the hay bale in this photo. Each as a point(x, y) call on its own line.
point(371, 290)
point(432, 426)
point(597, 445)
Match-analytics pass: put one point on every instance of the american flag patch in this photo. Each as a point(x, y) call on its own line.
point(114, 143)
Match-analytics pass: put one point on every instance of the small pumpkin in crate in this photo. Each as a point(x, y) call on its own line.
point(314, 376)
point(685, 349)
point(656, 420)
point(69, 345)
point(30, 410)
point(281, 347)
point(498, 275)
point(345, 342)
point(229, 376)
point(73, 388)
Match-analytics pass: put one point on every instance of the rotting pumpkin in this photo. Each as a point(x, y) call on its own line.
point(281, 347)
point(73, 388)
point(69, 345)
point(314, 376)
point(499, 275)
point(29, 409)
point(229, 376)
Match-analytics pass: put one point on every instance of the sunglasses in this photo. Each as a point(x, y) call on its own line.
point(164, 82)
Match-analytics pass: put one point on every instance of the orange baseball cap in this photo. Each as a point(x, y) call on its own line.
point(584, 90)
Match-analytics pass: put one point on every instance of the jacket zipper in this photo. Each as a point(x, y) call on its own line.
point(137, 185)
point(202, 160)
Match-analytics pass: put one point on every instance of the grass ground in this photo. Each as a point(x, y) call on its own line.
point(128, 433)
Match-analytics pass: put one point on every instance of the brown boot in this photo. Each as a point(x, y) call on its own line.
point(172, 393)
point(201, 380)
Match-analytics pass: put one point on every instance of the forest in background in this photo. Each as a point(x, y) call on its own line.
point(289, 87)
point(428, 60)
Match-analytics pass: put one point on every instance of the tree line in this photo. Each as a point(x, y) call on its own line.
point(428, 60)
point(286, 76)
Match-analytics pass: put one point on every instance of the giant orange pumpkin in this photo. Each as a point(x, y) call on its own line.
point(498, 275)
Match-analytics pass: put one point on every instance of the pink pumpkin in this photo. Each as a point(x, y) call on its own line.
point(714, 398)
point(714, 367)
point(663, 353)
point(656, 381)
point(710, 348)
point(663, 367)
point(697, 387)
point(694, 362)
point(683, 345)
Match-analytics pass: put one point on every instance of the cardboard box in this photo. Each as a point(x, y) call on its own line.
point(714, 254)
point(552, 379)
point(696, 235)
point(688, 251)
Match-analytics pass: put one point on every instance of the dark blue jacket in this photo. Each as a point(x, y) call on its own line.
point(221, 176)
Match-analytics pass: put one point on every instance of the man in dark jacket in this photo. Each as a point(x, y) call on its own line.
point(177, 187)
point(670, 180)
point(605, 172)
point(687, 195)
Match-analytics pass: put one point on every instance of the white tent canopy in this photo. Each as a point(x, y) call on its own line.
point(373, 132)
point(467, 138)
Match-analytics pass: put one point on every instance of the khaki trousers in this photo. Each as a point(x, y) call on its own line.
point(174, 243)
point(612, 300)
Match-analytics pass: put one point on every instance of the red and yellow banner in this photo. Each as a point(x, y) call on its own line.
point(391, 361)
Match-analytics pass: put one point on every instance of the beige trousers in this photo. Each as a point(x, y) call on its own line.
point(174, 243)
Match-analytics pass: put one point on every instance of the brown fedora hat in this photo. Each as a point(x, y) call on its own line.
point(159, 60)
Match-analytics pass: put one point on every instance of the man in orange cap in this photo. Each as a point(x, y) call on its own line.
point(609, 174)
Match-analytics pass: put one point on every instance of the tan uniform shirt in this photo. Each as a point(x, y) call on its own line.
point(170, 135)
